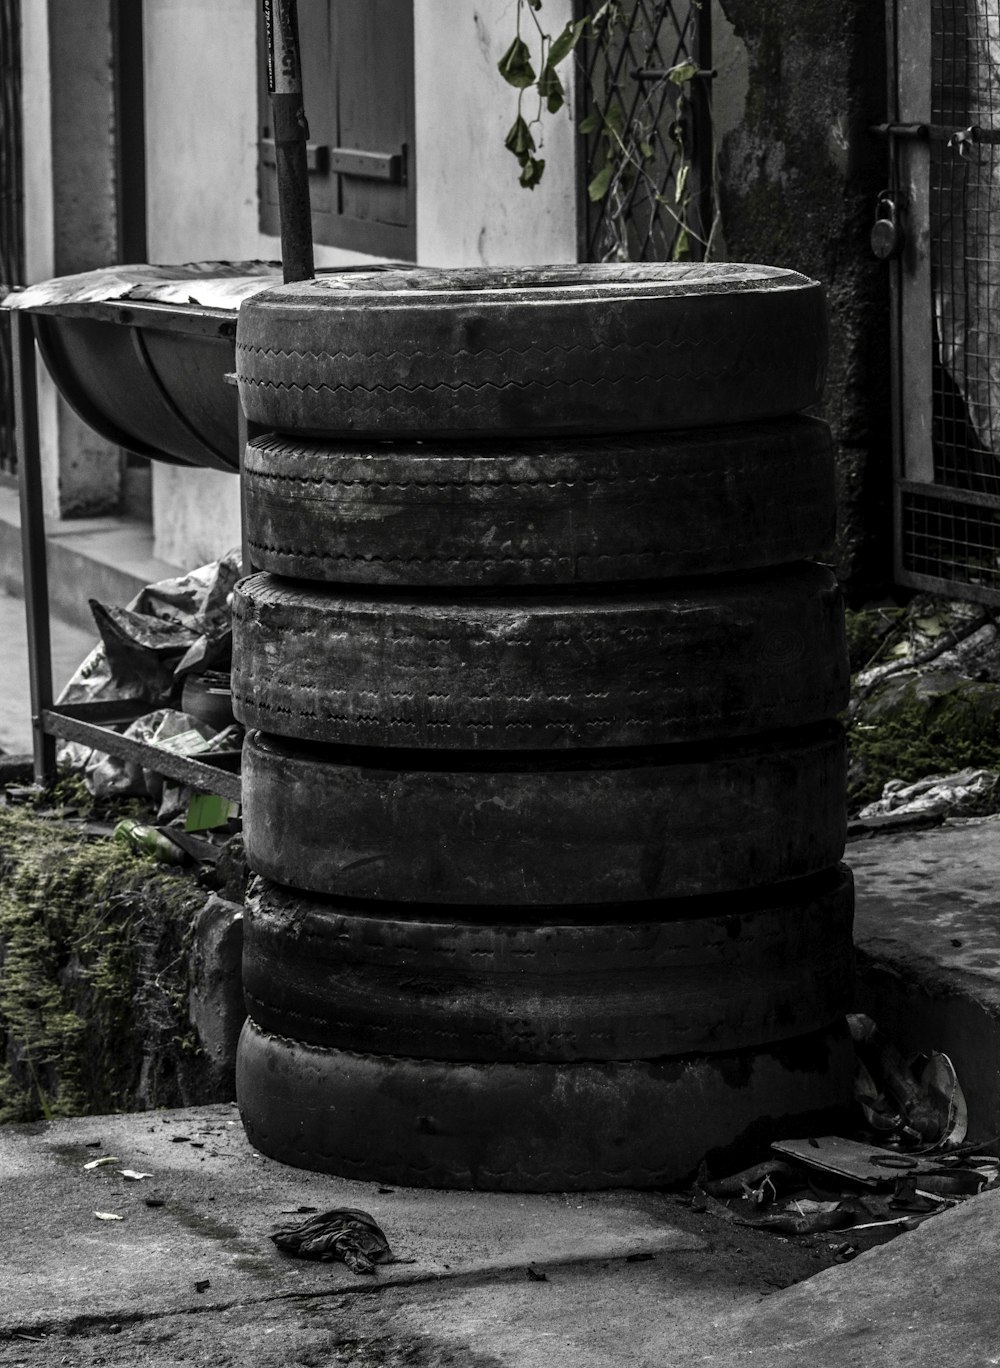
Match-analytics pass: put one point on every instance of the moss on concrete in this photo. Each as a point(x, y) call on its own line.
point(870, 630)
point(915, 725)
point(93, 972)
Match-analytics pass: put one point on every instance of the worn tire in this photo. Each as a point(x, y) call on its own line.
point(645, 667)
point(545, 829)
point(581, 511)
point(551, 349)
point(531, 1127)
point(698, 976)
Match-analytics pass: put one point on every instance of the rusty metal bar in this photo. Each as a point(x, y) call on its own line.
point(199, 773)
point(291, 136)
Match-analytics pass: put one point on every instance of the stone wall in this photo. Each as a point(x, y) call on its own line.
point(799, 173)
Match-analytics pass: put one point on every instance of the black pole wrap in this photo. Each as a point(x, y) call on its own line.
point(291, 133)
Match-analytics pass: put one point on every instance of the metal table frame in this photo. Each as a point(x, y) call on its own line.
point(91, 723)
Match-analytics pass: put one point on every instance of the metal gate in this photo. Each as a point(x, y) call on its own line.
point(11, 208)
point(644, 107)
point(945, 166)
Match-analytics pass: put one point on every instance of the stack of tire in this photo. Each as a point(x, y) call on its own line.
point(543, 781)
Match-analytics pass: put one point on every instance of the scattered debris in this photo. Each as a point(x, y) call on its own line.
point(536, 1274)
point(858, 1163)
point(108, 1216)
point(202, 1285)
point(100, 1163)
point(911, 1162)
point(343, 1233)
point(133, 1176)
point(910, 1101)
point(753, 1183)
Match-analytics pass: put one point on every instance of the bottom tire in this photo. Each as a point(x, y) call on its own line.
point(530, 1127)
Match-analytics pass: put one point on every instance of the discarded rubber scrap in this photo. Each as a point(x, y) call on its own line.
point(910, 1101)
point(344, 1233)
point(910, 1159)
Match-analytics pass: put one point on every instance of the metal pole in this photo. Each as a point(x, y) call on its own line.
point(704, 135)
point(36, 582)
point(291, 133)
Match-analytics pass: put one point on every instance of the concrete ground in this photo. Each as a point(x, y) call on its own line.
point(188, 1274)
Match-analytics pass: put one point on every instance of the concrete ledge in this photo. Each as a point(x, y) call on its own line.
point(927, 932)
point(104, 558)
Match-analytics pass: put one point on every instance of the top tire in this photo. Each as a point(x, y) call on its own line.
point(554, 349)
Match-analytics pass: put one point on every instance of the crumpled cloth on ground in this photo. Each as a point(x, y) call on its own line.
point(937, 793)
point(343, 1233)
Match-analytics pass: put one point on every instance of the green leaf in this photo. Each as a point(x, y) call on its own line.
point(519, 139)
point(681, 183)
point(515, 65)
point(603, 14)
point(614, 118)
point(531, 173)
point(566, 42)
point(598, 187)
point(682, 246)
point(550, 88)
point(591, 124)
point(682, 72)
point(646, 149)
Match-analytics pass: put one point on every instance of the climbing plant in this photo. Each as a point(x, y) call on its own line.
point(638, 121)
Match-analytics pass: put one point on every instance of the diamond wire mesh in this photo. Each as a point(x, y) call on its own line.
point(648, 127)
point(11, 208)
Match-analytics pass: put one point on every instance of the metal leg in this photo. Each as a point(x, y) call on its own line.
point(245, 432)
point(243, 436)
point(36, 582)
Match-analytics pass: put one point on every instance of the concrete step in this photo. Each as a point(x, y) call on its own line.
point(109, 559)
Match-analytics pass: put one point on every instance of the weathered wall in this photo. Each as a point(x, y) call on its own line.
point(70, 215)
point(799, 175)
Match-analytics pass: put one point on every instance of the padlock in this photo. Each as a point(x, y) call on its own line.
point(887, 231)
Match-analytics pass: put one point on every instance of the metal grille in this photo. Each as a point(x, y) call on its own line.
point(952, 544)
point(644, 104)
point(11, 208)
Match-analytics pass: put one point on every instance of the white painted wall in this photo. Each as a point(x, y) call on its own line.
point(196, 514)
point(470, 209)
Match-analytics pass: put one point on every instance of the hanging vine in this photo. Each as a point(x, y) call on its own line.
point(630, 174)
